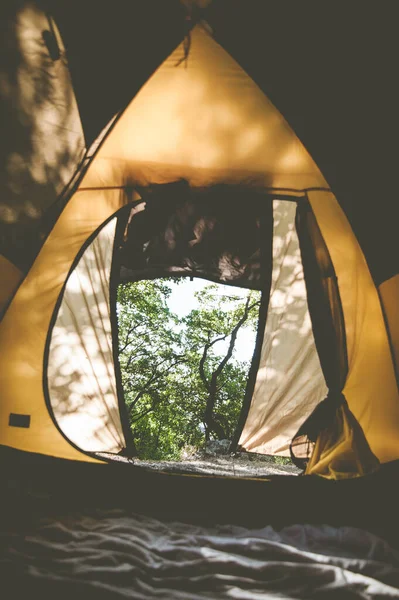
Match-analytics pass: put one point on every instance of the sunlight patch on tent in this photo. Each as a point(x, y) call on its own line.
point(204, 115)
point(290, 382)
point(81, 372)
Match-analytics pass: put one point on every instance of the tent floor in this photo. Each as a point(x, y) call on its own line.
point(38, 485)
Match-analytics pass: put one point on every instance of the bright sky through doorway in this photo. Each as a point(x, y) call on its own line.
point(182, 301)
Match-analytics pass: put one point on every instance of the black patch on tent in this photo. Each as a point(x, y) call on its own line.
point(18, 420)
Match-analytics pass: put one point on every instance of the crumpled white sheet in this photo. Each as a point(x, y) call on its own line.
point(114, 554)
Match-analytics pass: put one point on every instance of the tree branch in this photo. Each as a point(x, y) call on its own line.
point(144, 413)
point(211, 424)
point(128, 334)
point(234, 334)
point(133, 356)
point(154, 377)
point(204, 357)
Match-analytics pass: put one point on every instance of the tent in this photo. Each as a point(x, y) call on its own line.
point(180, 163)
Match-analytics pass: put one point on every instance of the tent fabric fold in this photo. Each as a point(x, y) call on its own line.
point(341, 450)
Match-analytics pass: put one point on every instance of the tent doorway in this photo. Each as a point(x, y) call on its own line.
point(178, 376)
point(185, 350)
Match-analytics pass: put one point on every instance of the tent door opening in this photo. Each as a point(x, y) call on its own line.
point(226, 235)
point(186, 345)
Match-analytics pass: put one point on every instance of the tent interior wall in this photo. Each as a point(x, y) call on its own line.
point(254, 103)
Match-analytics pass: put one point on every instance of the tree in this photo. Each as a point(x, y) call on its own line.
point(180, 376)
point(219, 319)
point(148, 345)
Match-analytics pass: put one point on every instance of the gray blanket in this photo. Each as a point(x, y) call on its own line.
point(114, 554)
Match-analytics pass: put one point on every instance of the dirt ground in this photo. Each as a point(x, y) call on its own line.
point(240, 465)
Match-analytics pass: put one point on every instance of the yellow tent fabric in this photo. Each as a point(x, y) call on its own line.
point(24, 329)
point(389, 294)
point(204, 120)
point(370, 388)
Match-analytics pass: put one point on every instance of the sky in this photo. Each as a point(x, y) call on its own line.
point(182, 301)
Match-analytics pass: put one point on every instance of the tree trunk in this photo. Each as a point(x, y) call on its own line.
point(211, 421)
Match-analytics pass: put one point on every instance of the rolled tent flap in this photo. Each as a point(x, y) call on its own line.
point(341, 450)
point(81, 373)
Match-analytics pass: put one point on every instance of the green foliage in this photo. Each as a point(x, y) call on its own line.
point(281, 460)
point(161, 356)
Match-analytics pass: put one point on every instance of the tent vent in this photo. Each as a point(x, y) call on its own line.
point(19, 420)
